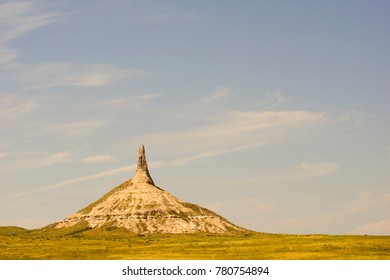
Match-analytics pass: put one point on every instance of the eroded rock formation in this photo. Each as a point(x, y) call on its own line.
point(142, 173)
point(142, 207)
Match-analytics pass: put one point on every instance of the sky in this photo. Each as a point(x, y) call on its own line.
point(274, 114)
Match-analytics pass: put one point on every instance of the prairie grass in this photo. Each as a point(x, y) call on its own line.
point(81, 243)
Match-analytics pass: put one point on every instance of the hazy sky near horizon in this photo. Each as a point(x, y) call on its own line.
point(274, 114)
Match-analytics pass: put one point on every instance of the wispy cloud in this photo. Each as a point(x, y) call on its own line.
point(149, 96)
point(220, 93)
point(136, 102)
point(111, 172)
point(71, 74)
point(238, 128)
point(13, 109)
point(18, 18)
point(76, 129)
point(17, 106)
point(213, 153)
point(21, 161)
point(165, 16)
point(273, 98)
point(290, 174)
point(303, 171)
point(249, 120)
point(314, 169)
point(53, 159)
point(6, 55)
point(97, 159)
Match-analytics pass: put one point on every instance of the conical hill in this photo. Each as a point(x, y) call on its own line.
point(141, 207)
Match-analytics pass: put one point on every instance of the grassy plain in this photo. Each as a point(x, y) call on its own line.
point(112, 243)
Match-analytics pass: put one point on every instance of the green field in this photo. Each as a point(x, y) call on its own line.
point(113, 243)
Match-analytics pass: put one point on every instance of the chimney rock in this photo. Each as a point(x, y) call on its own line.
point(142, 173)
point(141, 207)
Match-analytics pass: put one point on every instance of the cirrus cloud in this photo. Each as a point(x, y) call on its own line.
point(77, 129)
point(237, 129)
point(273, 98)
point(220, 93)
point(97, 159)
point(18, 18)
point(315, 169)
point(72, 74)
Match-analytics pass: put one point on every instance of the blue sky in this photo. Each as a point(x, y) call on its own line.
point(274, 114)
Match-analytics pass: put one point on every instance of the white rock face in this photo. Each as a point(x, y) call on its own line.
point(142, 207)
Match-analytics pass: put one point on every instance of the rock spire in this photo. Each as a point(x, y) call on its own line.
point(142, 173)
point(142, 207)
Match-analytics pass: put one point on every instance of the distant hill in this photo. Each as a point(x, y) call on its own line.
point(11, 230)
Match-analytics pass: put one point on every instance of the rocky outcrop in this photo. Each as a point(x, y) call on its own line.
point(142, 173)
point(142, 207)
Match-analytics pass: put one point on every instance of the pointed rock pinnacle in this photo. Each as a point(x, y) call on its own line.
point(142, 165)
point(142, 207)
point(142, 174)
